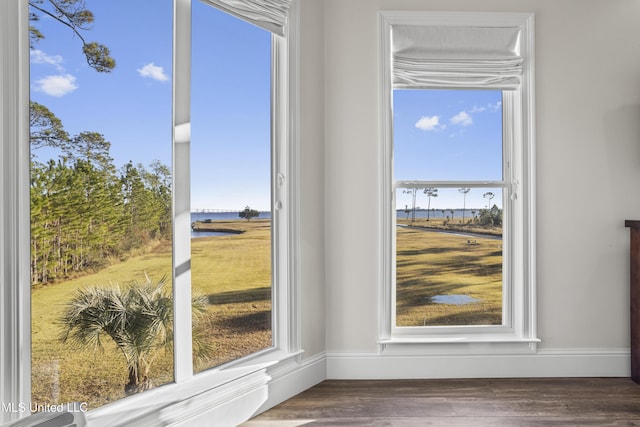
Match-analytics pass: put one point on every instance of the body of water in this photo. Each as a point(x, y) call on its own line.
point(436, 213)
point(208, 233)
point(220, 216)
point(400, 213)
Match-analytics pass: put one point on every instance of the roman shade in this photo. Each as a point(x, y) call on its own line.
point(455, 56)
point(270, 15)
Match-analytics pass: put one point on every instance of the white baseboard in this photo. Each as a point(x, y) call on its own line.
point(544, 363)
point(288, 382)
point(285, 381)
point(225, 398)
point(237, 401)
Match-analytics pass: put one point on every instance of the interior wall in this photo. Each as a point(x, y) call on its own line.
point(587, 68)
point(311, 167)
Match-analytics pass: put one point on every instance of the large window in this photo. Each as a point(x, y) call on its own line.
point(144, 253)
point(458, 143)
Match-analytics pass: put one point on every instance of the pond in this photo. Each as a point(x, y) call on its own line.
point(452, 299)
point(196, 234)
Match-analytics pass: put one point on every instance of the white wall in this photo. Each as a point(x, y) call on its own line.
point(311, 166)
point(588, 168)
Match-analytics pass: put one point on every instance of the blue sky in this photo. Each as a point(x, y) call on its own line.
point(439, 135)
point(131, 106)
point(448, 135)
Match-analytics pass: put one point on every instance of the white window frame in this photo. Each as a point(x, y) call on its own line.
point(190, 394)
point(518, 329)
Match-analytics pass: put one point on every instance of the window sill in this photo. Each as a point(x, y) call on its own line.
point(457, 339)
point(460, 345)
point(175, 402)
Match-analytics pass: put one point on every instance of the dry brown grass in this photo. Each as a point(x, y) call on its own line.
point(431, 263)
point(233, 272)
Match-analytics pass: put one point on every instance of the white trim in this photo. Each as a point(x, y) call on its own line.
point(181, 247)
point(246, 392)
point(386, 309)
point(290, 380)
point(169, 404)
point(547, 363)
point(15, 303)
point(294, 301)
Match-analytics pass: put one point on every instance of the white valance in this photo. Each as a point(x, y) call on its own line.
point(270, 15)
point(441, 56)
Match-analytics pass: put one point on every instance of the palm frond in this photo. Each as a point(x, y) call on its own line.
point(138, 318)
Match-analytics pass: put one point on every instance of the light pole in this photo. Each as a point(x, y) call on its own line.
point(464, 192)
point(413, 192)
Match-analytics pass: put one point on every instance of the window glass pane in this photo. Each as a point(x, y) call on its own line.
point(449, 256)
point(230, 185)
point(101, 204)
point(447, 135)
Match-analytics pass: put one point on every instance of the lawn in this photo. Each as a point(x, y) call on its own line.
point(431, 264)
point(233, 272)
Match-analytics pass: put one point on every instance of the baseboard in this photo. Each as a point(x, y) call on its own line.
point(289, 381)
point(544, 363)
point(285, 381)
point(256, 392)
point(240, 394)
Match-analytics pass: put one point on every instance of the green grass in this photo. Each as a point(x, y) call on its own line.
point(234, 273)
point(431, 263)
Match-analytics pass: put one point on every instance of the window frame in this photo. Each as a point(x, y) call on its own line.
point(518, 329)
point(169, 402)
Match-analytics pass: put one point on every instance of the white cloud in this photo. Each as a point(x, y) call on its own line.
point(462, 118)
point(154, 72)
point(39, 57)
point(495, 107)
point(429, 123)
point(57, 86)
point(477, 109)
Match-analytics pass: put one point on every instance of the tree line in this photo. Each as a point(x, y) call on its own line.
point(84, 210)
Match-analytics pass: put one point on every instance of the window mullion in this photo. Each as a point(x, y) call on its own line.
point(451, 184)
point(183, 364)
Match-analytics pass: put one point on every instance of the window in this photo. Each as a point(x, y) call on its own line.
point(457, 138)
point(231, 176)
point(137, 214)
point(100, 200)
point(448, 180)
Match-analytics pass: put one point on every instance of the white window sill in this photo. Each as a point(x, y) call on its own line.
point(459, 345)
point(458, 339)
point(174, 402)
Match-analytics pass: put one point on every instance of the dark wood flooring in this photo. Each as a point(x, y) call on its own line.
point(468, 402)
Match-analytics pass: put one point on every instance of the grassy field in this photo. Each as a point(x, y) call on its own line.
point(430, 264)
point(233, 272)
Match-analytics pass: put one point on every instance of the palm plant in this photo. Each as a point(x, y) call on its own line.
point(138, 318)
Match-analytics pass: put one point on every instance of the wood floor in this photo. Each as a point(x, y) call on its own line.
point(472, 402)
